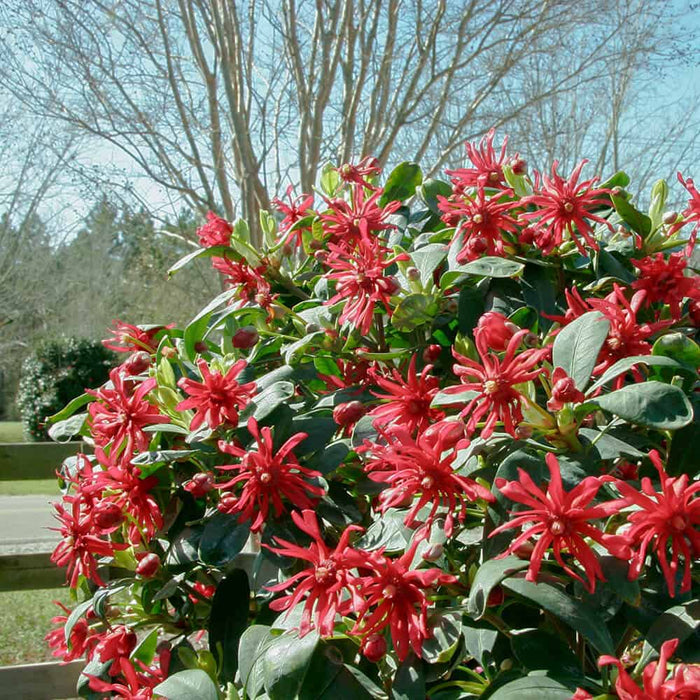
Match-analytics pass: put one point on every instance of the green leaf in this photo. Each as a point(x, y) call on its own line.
point(427, 259)
point(626, 363)
point(251, 649)
point(223, 539)
point(413, 311)
point(388, 531)
point(680, 622)
point(487, 266)
point(619, 179)
point(214, 251)
point(409, 682)
point(429, 191)
point(682, 458)
point(538, 650)
point(401, 183)
point(654, 404)
point(330, 179)
point(470, 308)
point(638, 222)
point(264, 403)
point(146, 649)
point(479, 637)
point(192, 684)
point(577, 345)
point(70, 408)
point(574, 613)
point(286, 662)
point(679, 347)
point(532, 688)
point(607, 446)
point(488, 576)
point(65, 430)
point(196, 329)
point(446, 630)
point(228, 620)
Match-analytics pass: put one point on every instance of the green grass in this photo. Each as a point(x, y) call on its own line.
point(11, 431)
point(34, 487)
point(25, 617)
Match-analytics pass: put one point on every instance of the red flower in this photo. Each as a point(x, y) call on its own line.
point(422, 466)
point(563, 391)
point(295, 210)
point(352, 372)
point(496, 329)
point(251, 286)
point(682, 684)
point(348, 223)
point(397, 595)
point(691, 214)
point(358, 174)
point(119, 416)
point(216, 231)
point(82, 639)
point(663, 281)
point(560, 520)
point(218, 399)
point(325, 584)
point(562, 205)
point(80, 544)
point(482, 222)
point(124, 488)
point(488, 168)
point(360, 280)
point(407, 400)
point(626, 337)
point(492, 392)
point(667, 517)
point(267, 476)
point(128, 338)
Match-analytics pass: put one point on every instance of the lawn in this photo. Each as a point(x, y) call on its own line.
point(11, 431)
point(25, 617)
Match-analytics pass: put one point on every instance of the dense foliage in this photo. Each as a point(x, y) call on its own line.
point(435, 439)
point(54, 374)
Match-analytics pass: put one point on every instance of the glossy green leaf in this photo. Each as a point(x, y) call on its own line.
point(251, 649)
point(626, 363)
point(445, 631)
point(488, 576)
point(215, 251)
point(638, 222)
point(413, 311)
point(401, 183)
point(654, 404)
point(538, 650)
point(286, 662)
point(679, 347)
point(228, 620)
point(431, 189)
point(223, 538)
point(409, 681)
point(70, 408)
point(532, 688)
point(192, 684)
point(65, 430)
point(264, 403)
point(427, 259)
point(577, 345)
point(574, 613)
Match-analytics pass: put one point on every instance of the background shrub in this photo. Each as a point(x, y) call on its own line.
point(54, 374)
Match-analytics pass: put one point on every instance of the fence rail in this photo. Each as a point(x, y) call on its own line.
point(24, 572)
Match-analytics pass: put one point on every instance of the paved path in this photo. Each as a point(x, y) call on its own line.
point(24, 521)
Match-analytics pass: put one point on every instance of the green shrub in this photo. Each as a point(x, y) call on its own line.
point(54, 374)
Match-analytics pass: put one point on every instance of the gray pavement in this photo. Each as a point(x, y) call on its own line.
point(24, 523)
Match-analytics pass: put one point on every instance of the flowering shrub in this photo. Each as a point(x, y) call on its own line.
point(433, 440)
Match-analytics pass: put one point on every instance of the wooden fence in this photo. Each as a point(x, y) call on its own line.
point(25, 572)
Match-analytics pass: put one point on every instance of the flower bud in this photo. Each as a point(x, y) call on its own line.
point(565, 390)
point(506, 664)
point(316, 245)
point(434, 552)
point(391, 285)
point(346, 414)
point(497, 330)
point(670, 217)
point(523, 432)
point(694, 312)
point(148, 565)
point(452, 306)
point(168, 352)
point(374, 648)
point(137, 363)
point(518, 165)
point(450, 431)
point(527, 236)
point(312, 328)
point(200, 347)
point(200, 484)
point(245, 337)
point(107, 515)
point(432, 353)
point(476, 246)
point(413, 274)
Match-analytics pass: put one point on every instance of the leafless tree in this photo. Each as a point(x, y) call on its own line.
point(220, 102)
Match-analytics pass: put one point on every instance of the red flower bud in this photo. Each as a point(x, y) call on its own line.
point(475, 247)
point(451, 432)
point(200, 484)
point(107, 515)
point(432, 353)
point(563, 390)
point(518, 166)
point(670, 217)
point(434, 552)
point(148, 565)
point(136, 363)
point(498, 330)
point(200, 347)
point(346, 414)
point(245, 337)
point(694, 311)
point(496, 596)
point(374, 648)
